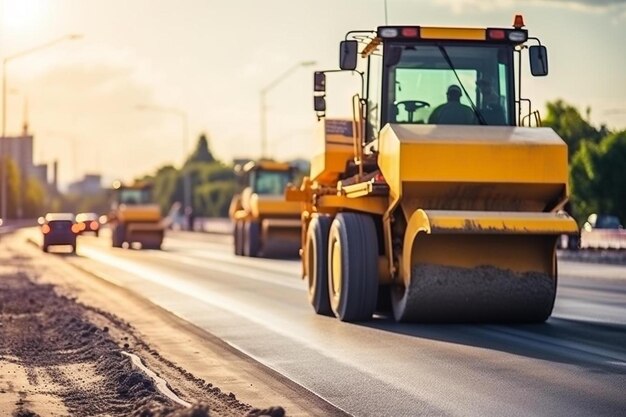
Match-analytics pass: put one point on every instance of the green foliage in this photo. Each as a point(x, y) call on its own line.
point(202, 152)
point(213, 199)
point(567, 121)
point(33, 199)
point(165, 182)
point(598, 179)
point(13, 185)
point(212, 183)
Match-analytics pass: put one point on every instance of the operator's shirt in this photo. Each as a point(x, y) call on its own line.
point(452, 113)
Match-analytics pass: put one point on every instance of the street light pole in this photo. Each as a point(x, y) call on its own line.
point(263, 101)
point(3, 152)
point(185, 126)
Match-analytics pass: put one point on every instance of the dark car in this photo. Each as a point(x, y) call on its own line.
point(88, 222)
point(59, 229)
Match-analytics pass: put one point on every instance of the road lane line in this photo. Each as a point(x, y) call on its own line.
point(242, 271)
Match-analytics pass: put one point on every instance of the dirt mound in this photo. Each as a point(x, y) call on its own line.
point(62, 356)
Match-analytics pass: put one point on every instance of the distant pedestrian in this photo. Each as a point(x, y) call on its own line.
point(191, 218)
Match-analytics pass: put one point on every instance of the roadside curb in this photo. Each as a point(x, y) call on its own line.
point(611, 257)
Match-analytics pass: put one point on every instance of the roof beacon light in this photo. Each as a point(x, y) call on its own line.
point(389, 32)
point(518, 22)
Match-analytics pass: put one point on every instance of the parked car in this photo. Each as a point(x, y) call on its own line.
point(603, 231)
point(88, 222)
point(59, 229)
point(602, 221)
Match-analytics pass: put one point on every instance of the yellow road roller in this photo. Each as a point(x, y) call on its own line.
point(134, 217)
point(264, 223)
point(440, 199)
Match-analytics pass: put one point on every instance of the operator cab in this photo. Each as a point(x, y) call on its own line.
point(437, 75)
point(267, 178)
point(132, 195)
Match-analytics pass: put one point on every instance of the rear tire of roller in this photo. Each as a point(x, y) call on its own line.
point(317, 264)
point(353, 267)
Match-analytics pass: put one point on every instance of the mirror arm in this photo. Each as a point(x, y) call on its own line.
point(353, 32)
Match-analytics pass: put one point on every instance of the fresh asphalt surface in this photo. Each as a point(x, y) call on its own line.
point(573, 365)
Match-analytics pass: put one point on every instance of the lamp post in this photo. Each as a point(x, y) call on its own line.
point(184, 121)
point(5, 61)
point(263, 97)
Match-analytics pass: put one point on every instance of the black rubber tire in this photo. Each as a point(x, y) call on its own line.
point(117, 236)
point(238, 237)
point(317, 264)
point(252, 239)
point(356, 298)
point(97, 233)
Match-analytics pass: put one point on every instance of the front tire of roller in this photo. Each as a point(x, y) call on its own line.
point(238, 237)
point(317, 264)
point(353, 267)
point(252, 240)
point(117, 236)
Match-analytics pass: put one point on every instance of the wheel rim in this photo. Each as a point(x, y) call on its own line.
point(335, 271)
point(311, 264)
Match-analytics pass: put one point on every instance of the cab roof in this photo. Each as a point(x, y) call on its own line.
point(56, 217)
point(266, 164)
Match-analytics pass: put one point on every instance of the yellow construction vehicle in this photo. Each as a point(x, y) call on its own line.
point(440, 200)
point(134, 217)
point(264, 223)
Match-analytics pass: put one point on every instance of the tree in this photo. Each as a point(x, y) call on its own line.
point(33, 199)
point(597, 177)
point(566, 120)
point(166, 181)
point(14, 184)
point(202, 152)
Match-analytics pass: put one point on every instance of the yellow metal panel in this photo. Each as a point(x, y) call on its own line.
point(267, 164)
point(519, 242)
point(264, 206)
point(444, 221)
point(139, 213)
point(332, 149)
point(473, 167)
point(374, 205)
point(470, 34)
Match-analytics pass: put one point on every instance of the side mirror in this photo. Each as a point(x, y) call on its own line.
point(538, 60)
point(348, 54)
point(319, 81)
point(394, 55)
point(319, 103)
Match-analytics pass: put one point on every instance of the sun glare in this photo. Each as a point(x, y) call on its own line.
point(23, 16)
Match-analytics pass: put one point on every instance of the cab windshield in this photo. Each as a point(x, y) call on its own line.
point(270, 182)
point(132, 196)
point(422, 86)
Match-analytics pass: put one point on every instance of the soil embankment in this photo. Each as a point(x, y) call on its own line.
point(59, 357)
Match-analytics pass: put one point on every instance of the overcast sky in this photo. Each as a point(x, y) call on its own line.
point(210, 58)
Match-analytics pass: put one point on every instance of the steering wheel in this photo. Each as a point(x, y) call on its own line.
point(411, 106)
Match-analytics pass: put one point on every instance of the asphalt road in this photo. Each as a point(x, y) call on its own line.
point(573, 365)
